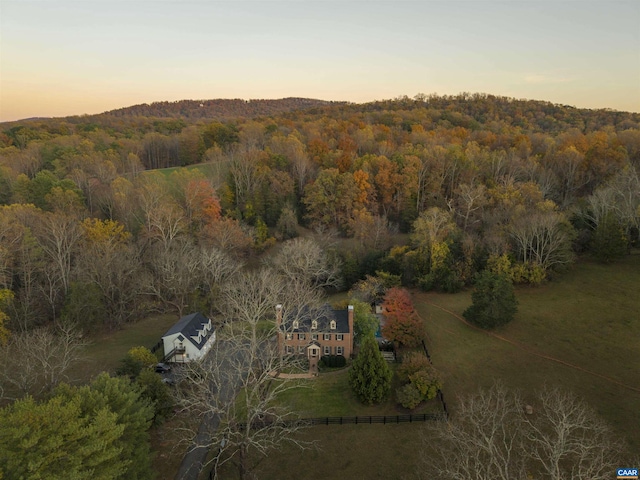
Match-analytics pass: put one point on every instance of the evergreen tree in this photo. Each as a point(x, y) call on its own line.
point(609, 241)
point(370, 375)
point(132, 411)
point(494, 301)
point(365, 323)
point(56, 440)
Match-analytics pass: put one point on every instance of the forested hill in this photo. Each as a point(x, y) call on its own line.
point(474, 112)
point(478, 181)
point(218, 109)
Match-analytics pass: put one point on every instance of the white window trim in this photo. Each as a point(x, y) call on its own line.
point(327, 337)
point(339, 337)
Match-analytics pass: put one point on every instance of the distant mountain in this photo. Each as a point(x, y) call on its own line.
point(219, 109)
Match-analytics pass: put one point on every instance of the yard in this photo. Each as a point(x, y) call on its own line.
point(588, 317)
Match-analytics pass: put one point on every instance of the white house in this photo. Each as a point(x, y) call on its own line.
point(189, 339)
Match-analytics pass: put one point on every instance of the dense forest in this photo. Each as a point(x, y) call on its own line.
point(431, 189)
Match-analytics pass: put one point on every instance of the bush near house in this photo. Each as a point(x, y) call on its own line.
point(333, 361)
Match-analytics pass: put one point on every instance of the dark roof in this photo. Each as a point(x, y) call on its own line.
point(189, 326)
point(322, 315)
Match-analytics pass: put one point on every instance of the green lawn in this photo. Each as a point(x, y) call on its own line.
point(329, 395)
point(106, 350)
point(589, 317)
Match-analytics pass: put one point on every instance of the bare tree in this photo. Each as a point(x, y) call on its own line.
point(568, 441)
point(494, 435)
point(35, 361)
point(235, 389)
point(481, 442)
point(543, 238)
point(469, 199)
point(57, 236)
point(303, 260)
point(177, 275)
point(620, 196)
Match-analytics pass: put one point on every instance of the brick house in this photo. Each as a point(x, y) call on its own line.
point(324, 332)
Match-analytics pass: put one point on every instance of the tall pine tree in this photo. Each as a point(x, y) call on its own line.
point(370, 375)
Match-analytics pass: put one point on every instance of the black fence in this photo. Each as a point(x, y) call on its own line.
point(440, 395)
point(384, 419)
point(359, 420)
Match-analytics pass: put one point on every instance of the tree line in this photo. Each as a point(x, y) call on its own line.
point(478, 182)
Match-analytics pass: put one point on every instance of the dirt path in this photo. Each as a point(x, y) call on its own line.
point(531, 351)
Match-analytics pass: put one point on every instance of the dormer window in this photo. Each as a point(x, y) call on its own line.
point(333, 324)
point(314, 325)
point(295, 324)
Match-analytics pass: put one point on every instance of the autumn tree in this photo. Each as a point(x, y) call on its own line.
point(6, 297)
point(418, 378)
point(370, 375)
point(372, 289)
point(110, 261)
point(331, 199)
point(402, 323)
point(136, 359)
point(228, 235)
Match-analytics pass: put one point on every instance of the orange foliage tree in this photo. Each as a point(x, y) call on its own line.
point(402, 324)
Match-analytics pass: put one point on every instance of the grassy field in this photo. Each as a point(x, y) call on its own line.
point(103, 354)
point(343, 451)
point(329, 395)
point(589, 318)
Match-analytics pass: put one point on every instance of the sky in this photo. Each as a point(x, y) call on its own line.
point(60, 57)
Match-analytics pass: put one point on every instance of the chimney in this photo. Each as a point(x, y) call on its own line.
point(350, 309)
point(279, 330)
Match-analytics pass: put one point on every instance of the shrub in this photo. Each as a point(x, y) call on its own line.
point(333, 361)
point(420, 381)
point(408, 396)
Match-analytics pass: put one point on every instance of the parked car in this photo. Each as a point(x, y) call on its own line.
point(162, 368)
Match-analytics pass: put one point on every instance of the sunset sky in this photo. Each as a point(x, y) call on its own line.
point(61, 58)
